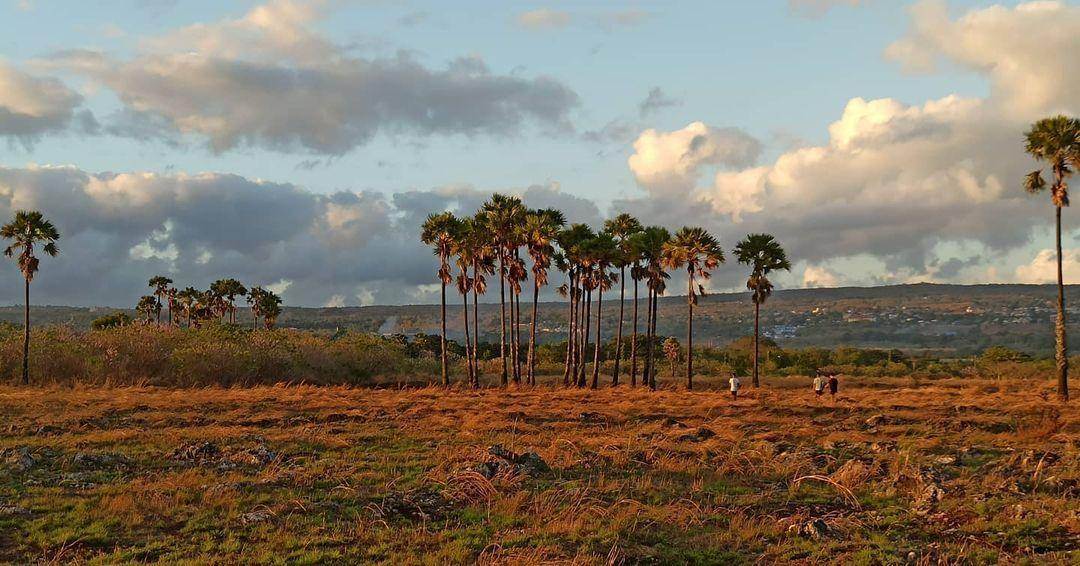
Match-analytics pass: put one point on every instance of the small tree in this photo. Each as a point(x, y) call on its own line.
point(672, 351)
point(27, 230)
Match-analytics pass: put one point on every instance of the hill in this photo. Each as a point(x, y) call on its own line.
point(945, 319)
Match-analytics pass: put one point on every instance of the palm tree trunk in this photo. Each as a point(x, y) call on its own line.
point(159, 310)
point(634, 340)
point(502, 318)
point(26, 335)
point(1062, 350)
point(532, 333)
point(468, 340)
point(650, 375)
point(442, 339)
point(476, 335)
point(618, 338)
point(585, 342)
point(517, 335)
point(757, 334)
point(690, 334)
point(597, 358)
point(570, 327)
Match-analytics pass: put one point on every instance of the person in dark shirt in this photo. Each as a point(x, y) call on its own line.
point(834, 385)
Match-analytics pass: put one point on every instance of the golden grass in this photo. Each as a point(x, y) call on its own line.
point(635, 475)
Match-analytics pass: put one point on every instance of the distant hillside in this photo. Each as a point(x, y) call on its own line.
point(959, 319)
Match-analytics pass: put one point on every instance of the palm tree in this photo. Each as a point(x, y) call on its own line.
point(651, 245)
point(540, 230)
point(438, 232)
point(27, 229)
point(270, 307)
point(161, 285)
point(465, 250)
point(225, 292)
point(605, 253)
point(483, 264)
point(502, 214)
point(571, 241)
point(764, 255)
point(622, 227)
point(672, 353)
point(699, 252)
point(637, 273)
point(189, 299)
point(255, 299)
point(1056, 141)
point(149, 306)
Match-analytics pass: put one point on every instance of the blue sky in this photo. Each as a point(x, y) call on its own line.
point(770, 77)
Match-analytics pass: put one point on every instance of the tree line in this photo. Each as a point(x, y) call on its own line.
point(512, 243)
point(193, 306)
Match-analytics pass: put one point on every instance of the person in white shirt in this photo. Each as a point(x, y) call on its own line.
point(734, 383)
point(819, 384)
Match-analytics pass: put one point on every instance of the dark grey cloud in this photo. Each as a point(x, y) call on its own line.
point(655, 101)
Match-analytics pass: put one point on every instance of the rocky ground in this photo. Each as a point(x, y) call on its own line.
point(891, 472)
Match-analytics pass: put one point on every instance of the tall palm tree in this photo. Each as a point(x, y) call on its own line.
point(483, 265)
point(650, 244)
point(633, 258)
point(572, 241)
point(28, 229)
point(605, 254)
point(540, 230)
point(764, 255)
point(438, 232)
point(1056, 141)
point(502, 214)
point(700, 253)
point(161, 285)
point(622, 227)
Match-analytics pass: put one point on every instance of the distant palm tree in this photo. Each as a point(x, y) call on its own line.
point(540, 230)
point(270, 308)
point(1056, 141)
point(189, 300)
point(27, 229)
point(651, 245)
point(161, 284)
point(700, 253)
point(764, 255)
point(226, 291)
point(672, 351)
point(149, 306)
point(255, 298)
point(622, 227)
point(438, 232)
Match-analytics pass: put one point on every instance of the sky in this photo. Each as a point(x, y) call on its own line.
point(299, 145)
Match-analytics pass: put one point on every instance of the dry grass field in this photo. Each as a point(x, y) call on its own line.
point(893, 471)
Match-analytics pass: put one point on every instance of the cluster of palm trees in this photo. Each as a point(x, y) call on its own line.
point(193, 306)
point(513, 243)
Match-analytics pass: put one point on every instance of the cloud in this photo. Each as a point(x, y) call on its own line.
point(819, 276)
point(1028, 51)
point(623, 19)
point(895, 186)
point(656, 100)
point(119, 229)
point(543, 19)
point(34, 106)
point(666, 162)
point(1043, 268)
point(269, 80)
point(818, 8)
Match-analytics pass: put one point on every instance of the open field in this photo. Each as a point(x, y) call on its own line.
point(961, 470)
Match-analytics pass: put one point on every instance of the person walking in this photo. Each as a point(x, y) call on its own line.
point(819, 384)
point(834, 385)
point(734, 383)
